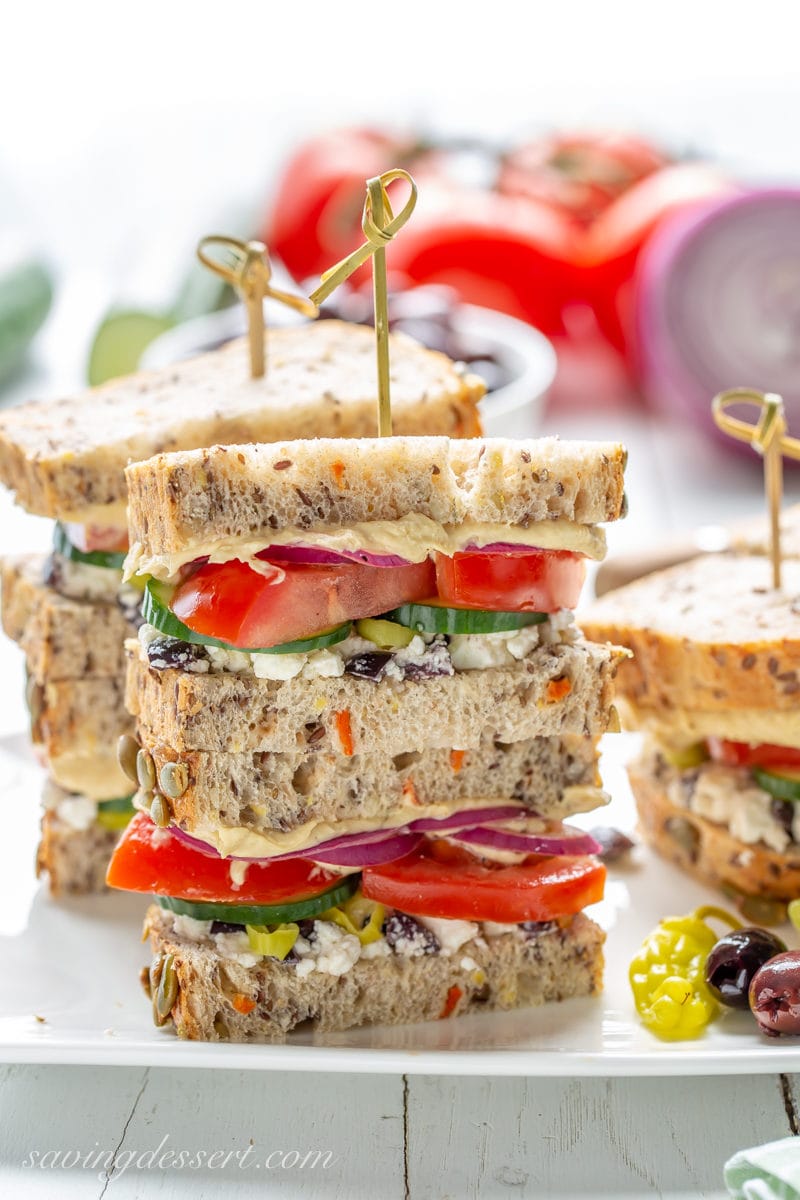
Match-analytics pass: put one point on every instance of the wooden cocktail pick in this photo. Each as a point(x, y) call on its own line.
point(768, 436)
point(379, 225)
point(245, 265)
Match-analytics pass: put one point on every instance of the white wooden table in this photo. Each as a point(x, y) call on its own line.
point(312, 1135)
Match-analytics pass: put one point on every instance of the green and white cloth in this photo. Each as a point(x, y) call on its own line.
point(770, 1172)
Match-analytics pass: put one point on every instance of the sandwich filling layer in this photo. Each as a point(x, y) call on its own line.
point(753, 802)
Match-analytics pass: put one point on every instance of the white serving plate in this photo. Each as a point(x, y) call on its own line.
point(69, 989)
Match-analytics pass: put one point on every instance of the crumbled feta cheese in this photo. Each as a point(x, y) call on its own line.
point(188, 927)
point(227, 660)
point(322, 664)
point(523, 641)
point(83, 581)
point(79, 812)
point(451, 935)
point(477, 651)
point(236, 946)
point(277, 666)
point(728, 796)
point(377, 949)
point(492, 929)
point(468, 964)
point(332, 951)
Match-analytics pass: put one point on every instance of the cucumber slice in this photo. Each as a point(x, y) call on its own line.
point(435, 618)
point(120, 342)
point(156, 611)
point(263, 914)
point(94, 558)
point(783, 786)
point(118, 804)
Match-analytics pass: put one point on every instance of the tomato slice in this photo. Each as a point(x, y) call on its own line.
point(242, 607)
point(149, 859)
point(525, 581)
point(742, 754)
point(458, 885)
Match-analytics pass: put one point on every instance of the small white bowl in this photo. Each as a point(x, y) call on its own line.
point(511, 411)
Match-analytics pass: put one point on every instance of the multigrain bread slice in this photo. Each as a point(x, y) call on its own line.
point(708, 635)
point(75, 861)
point(179, 504)
point(65, 458)
point(76, 724)
point(564, 688)
point(61, 638)
point(707, 849)
point(554, 777)
point(218, 999)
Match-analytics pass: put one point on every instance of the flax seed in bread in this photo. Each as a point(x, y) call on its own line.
point(218, 998)
point(321, 377)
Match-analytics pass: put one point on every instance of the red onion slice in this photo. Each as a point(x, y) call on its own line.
point(466, 820)
point(369, 854)
point(525, 843)
point(316, 556)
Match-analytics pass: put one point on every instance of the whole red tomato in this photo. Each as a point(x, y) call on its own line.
point(614, 242)
point(315, 218)
point(580, 174)
point(517, 256)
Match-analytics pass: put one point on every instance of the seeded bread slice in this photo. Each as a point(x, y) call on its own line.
point(709, 635)
point(76, 724)
point(61, 638)
point(179, 503)
point(75, 861)
point(218, 999)
point(558, 689)
point(65, 458)
point(555, 777)
point(707, 849)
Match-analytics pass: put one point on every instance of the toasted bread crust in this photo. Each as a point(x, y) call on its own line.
point(179, 501)
point(61, 638)
point(74, 860)
point(706, 849)
point(502, 973)
point(230, 789)
point(708, 635)
point(236, 713)
point(66, 456)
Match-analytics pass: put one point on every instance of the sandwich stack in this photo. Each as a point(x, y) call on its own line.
point(363, 711)
point(714, 683)
point(71, 612)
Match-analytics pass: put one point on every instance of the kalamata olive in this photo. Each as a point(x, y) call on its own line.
point(615, 844)
point(734, 961)
point(775, 994)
